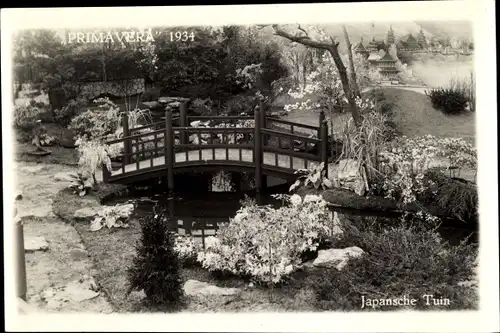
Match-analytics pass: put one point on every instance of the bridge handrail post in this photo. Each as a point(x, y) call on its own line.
point(263, 122)
point(169, 150)
point(105, 173)
point(127, 143)
point(321, 120)
point(183, 122)
point(324, 145)
point(257, 152)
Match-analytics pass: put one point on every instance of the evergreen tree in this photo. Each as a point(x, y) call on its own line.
point(156, 268)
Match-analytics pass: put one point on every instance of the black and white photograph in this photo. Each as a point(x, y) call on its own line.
point(297, 164)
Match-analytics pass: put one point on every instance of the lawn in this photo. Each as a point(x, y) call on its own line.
point(413, 115)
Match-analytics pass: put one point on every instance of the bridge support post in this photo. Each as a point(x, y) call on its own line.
point(19, 258)
point(127, 144)
point(324, 145)
point(257, 150)
point(183, 123)
point(169, 151)
point(321, 120)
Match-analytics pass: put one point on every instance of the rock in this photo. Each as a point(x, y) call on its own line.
point(68, 138)
point(350, 176)
point(86, 212)
point(65, 176)
point(32, 244)
point(336, 257)
point(75, 291)
point(19, 195)
point(194, 288)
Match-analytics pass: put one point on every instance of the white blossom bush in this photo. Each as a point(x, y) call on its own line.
point(266, 243)
point(314, 177)
point(187, 249)
point(112, 217)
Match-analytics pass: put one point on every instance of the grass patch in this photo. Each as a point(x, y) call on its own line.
point(414, 115)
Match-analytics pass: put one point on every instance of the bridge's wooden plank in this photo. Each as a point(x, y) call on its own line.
point(273, 159)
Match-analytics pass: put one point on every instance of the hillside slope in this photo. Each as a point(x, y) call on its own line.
point(414, 116)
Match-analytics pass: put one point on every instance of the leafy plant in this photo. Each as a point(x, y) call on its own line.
point(267, 243)
point(25, 117)
point(94, 154)
point(64, 115)
point(314, 178)
point(156, 267)
point(448, 100)
point(187, 248)
point(80, 184)
point(416, 262)
point(47, 140)
point(112, 217)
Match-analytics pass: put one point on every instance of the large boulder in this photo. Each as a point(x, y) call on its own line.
point(336, 258)
point(32, 244)
point(86, 213)
point(350, 176)
point(196, 288)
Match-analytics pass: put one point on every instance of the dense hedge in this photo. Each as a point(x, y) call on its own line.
point(448, 100)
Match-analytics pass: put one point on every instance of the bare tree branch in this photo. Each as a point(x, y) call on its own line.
point(354, 80)
point(305, 40)
point(302, 29)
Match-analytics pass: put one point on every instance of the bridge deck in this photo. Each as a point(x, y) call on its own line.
point(220, 155)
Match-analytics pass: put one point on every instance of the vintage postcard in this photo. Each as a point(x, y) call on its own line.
point(306, 167)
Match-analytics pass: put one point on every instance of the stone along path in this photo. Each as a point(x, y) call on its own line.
point(59, 271)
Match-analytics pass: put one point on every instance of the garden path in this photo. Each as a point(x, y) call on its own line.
point(66, 260)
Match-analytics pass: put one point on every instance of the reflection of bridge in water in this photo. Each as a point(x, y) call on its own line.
point(267, 147)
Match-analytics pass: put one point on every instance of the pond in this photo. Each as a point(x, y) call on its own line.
point(198, 208)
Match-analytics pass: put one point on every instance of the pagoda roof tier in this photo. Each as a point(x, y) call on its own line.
point(387, 58)
point(389, 70)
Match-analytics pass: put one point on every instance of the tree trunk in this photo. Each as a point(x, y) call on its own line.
point(354, 81)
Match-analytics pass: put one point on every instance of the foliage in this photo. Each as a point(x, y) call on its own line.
point(112, 217)
point(404, 161)
point(156, 267)
point(187, 248)
point(455, 198)
point(25, 117)
point(466, 87)
point(150, 95)
point(267, 243)
point(365, 142)
point(312, 178)
point(80, 184)
point(94, 154)
point(416, 263)
point(47, 140)
point(221, 182)
point(65, 114)
point(448, 100)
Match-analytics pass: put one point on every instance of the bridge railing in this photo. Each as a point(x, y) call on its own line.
point(147, 142)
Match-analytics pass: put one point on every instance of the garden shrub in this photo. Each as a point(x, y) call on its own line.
point(65, 114)
point(267, 243)
point(454, 197)
point(448, 100)
point(25, 117)
point(156, 267)
point(187, 248)
point(401, 260)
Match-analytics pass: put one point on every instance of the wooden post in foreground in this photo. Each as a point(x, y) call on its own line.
point(169, 151)
point(324, 146)
point(264, 140)
point(19, 258)
point(127, 148)
point(257, 151)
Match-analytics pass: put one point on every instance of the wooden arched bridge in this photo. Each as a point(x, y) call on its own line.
point(265, 146)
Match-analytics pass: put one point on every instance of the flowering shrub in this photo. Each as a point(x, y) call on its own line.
point(187, 249)
point(267, 243)
point(25, 116)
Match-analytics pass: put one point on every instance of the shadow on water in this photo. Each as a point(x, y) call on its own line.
point(196, 210)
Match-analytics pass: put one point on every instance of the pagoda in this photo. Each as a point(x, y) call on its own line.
point(411, 43)
point(387, 67)
point(421, 40)
point(390, 37)
point(372, 46)
point(360, 49)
